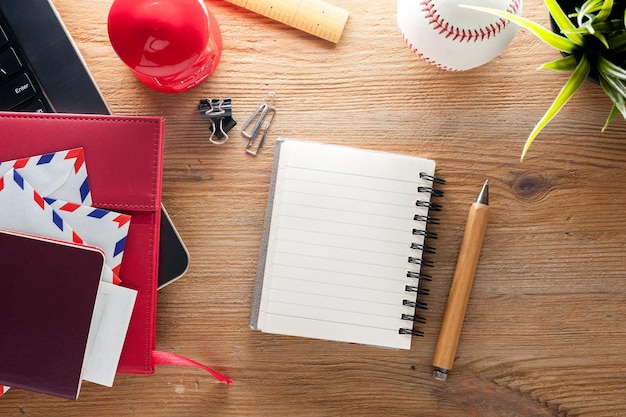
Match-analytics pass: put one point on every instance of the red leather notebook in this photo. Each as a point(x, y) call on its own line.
point(47, 295)
point(124, 157)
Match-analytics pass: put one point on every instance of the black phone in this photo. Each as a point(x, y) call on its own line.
point(173, 255)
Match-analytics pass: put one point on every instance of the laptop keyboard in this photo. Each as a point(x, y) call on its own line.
point(19, 90)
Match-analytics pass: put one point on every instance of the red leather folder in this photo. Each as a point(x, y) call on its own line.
point(124, 157)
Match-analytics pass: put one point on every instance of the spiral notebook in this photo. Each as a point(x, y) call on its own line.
point(344, 237)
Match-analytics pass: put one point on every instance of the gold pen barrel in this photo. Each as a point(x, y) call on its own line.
point(460, 290)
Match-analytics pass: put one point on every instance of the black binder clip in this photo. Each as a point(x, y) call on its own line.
point(262, 118)
point(220, 113)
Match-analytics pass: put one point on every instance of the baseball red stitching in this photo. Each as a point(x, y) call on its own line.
point(465, 35)
point(425, 58)
point(456, 34)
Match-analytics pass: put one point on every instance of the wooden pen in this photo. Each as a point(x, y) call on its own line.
point(469, 253)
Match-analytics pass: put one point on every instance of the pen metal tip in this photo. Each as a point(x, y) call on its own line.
point(483, 197)
point(440, 374)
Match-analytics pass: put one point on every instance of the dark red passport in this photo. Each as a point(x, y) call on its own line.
point(47, 295)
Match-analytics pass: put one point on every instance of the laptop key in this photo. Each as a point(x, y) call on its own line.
point(35, 106)
point(15, 92)
point(3, 37)
point(9, 63)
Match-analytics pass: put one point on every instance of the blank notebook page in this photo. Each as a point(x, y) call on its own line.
point(338, 234)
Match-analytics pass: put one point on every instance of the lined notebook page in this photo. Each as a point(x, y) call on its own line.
point(339, 227)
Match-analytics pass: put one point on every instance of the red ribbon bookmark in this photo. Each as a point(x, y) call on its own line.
point(168, 358)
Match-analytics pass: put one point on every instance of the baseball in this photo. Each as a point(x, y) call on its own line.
point(454, 38)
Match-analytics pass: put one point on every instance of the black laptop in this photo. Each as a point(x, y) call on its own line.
point(41, 70)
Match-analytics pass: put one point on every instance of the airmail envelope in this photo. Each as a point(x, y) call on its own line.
point(97, 227)
point(24, 210)
point(61, 175)
point(109, 325)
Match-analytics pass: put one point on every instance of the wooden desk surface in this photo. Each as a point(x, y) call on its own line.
point(545, 331)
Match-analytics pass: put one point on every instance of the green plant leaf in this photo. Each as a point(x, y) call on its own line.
point(586, 11)
point(617, 41)
point(579, 75)
point(602, 38)
point(563, 22)
point(614, 112)
point(608, 27)
point(607, 7)
point(615, 90)
point(601, 7)
point(567, 63)
point(558, 42)
point(586, 29)
point(619, 102)
point(608, 68)
point(601, 30)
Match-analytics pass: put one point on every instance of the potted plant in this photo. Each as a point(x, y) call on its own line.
point(592, 41)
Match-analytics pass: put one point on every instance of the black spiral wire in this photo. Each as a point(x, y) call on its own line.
point(421, 249)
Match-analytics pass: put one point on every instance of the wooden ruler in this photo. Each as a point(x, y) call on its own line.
point(311, 16)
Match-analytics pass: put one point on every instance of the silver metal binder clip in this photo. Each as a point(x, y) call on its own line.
point(219, 112)
point(215, 111)
point(263, 130)
point(214, 108)
point(258, 117)
point(218, 137)
point(218, 109)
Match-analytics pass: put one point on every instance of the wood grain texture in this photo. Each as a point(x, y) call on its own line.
point(544, 331)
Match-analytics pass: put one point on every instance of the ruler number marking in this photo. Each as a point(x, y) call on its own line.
point(312, 16)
